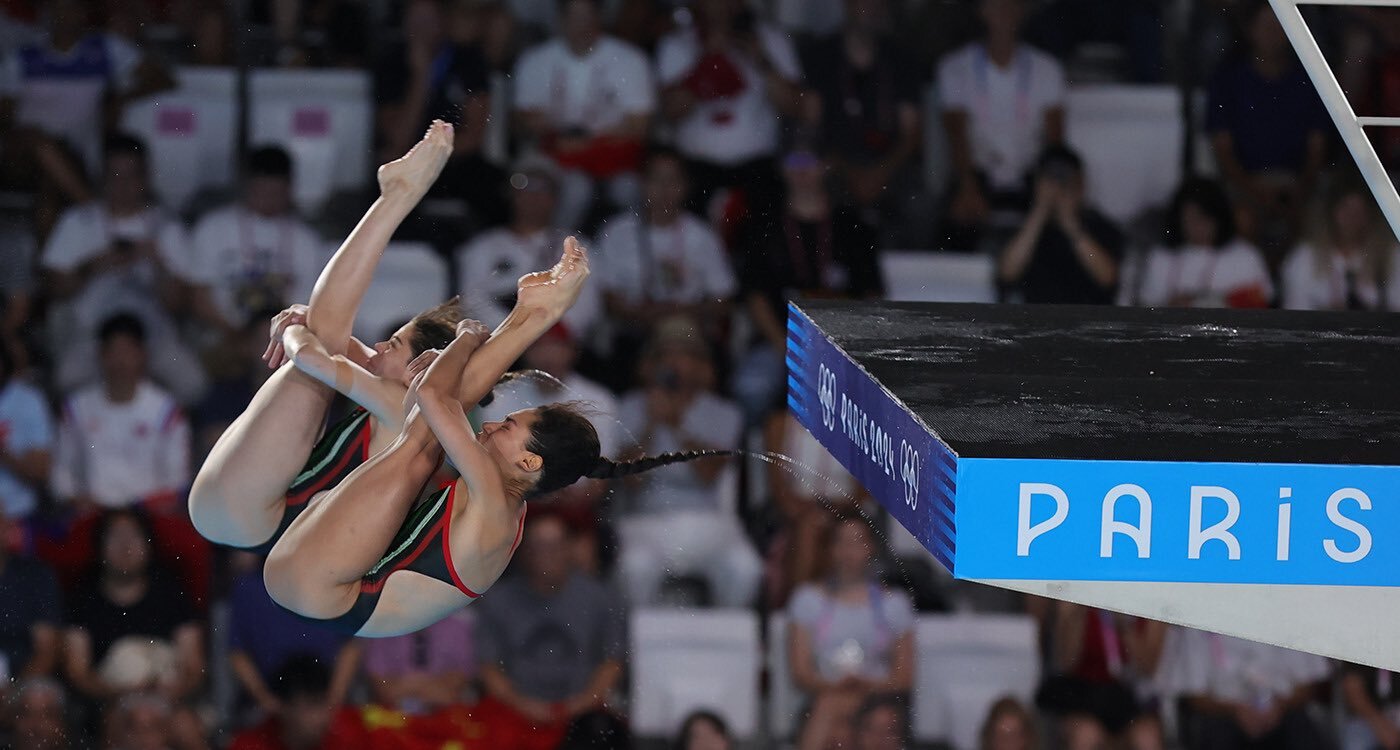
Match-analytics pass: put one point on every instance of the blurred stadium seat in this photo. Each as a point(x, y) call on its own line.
point(410, 279)
point(964, 664)
point(1131, 140)
point(191, 132)
point(324, 119)
point(689, 659)
point(917, 276)
point(784, 699)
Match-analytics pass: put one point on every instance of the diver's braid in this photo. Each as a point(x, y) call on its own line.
point(608, 469)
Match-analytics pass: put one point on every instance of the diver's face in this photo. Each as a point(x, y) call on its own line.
point(390, 359)
point(508, 441)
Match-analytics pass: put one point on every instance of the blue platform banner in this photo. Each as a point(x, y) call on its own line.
point(1180, 522)
point(888, 451)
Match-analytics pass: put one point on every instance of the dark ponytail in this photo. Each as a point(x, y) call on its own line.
point(606, 469)
point(568, 445)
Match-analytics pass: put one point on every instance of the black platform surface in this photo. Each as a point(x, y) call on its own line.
point(1003, 381)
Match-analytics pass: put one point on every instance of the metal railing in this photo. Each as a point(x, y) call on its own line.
point(1351, 127)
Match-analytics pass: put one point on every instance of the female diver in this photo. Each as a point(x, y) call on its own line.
point(275, 457)
point(382, 554)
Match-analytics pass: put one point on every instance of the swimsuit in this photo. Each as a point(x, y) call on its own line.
point(340, 451)
point(421, 545)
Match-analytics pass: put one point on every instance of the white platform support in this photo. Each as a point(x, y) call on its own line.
point(1348, 124)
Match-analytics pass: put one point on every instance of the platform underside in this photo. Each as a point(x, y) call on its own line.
point(1355, 624)
point(1227, 470)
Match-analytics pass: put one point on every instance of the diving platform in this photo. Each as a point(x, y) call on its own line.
point(1231, 470)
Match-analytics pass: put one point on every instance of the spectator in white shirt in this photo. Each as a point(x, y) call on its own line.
point(587, 100)
point(124, 440)
point(1003, 102)
point(257, 255)
point(676, 524)
point(662, 262)
point(26, 443)
point(726, 80)
point(121, 255)
point(1351, 261)
point(52, 98)
point(1239, 694)
point(489, 266)
point(1203, 263)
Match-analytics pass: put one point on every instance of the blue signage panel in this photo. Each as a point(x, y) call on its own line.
point(1183, 522)
point(903, 466)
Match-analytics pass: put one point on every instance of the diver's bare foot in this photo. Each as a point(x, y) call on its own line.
point(556, 290)
point(409, 176)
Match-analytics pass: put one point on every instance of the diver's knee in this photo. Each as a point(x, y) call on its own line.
point(282, 579)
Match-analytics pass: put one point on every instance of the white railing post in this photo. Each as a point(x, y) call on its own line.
point(1348, 124)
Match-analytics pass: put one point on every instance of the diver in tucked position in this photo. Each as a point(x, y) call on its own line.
point(276, 456)
point(389, 550)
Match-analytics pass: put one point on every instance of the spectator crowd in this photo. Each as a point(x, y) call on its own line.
point(722, 157)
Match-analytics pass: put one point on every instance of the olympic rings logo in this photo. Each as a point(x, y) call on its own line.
point(826, 394)
point(910, 464)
